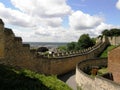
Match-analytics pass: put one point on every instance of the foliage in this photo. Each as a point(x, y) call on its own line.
point(71, 46)
point(11, 79)
point(84, 42)
point(112, 32)
point(105, 52)
point(102, 71)
point(62, 48)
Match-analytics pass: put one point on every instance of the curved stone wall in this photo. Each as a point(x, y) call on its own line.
point(84, 80)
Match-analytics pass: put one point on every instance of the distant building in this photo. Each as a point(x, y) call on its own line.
point(53, 50)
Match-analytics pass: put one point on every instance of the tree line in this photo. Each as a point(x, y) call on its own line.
point(111, 32)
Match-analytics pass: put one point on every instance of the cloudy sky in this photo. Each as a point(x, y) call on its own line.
point(59, 20)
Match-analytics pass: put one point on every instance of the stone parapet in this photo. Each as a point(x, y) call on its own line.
point(86, 82)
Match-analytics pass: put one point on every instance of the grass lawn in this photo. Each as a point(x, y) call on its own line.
point(105, 52)
point(12, 79)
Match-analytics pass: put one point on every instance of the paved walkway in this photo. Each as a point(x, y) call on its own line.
point(69, 78)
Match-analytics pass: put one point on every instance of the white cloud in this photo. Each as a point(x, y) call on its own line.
point(15, 17)
point(36, 12)
point(43, 8)
point(118, 4)
point(79, 20)
point(42, 20)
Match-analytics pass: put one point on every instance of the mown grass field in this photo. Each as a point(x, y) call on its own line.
point(12, 79)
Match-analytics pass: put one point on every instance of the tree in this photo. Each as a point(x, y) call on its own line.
point(71, 46)
point(106, 32)
point(111, 32)
point(85, 41)
point(62, 48)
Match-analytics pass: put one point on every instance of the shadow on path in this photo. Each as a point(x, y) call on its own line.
point(69, 78)
point(66, 76)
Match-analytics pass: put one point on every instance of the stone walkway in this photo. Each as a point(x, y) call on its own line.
point(69, 78)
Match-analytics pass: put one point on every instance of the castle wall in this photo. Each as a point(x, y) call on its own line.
point(114, 63)
point(16, 53)
point(115, 40)
point(85, 82)
point(19, 55)
point(1, 38)
point(63, 64)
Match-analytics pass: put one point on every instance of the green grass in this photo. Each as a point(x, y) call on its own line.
point(105, 52)
point(12, 79)
point(102, 71)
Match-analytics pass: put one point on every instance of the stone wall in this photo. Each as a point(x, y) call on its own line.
point(114, 63)
point(17, 54)
point(64, 64)
point(98, 83)
point(1, 38)
point(114, 40)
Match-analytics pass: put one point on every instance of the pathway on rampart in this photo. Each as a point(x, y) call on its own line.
point(69, 78)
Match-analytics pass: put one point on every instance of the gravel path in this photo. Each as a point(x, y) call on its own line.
point(69, 78)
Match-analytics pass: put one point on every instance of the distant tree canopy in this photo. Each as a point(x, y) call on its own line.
point(111, 32)
point(83, 42)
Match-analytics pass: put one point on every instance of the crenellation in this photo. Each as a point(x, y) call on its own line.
point(1, 22)
point(54, 55)
point(1, 26)
point(66, 53)
point(9, 32)
point(49, 56)
point(26, 45)
point(19, 39)
point(77, 52)
point(83, 51)
point(63, 53)
point(70, 53)
point(18, 42)
point(59, 54)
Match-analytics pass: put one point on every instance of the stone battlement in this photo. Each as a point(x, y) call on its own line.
point(73, 53)
point(1, 22)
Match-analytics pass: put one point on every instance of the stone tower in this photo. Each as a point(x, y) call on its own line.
point(1, 38)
